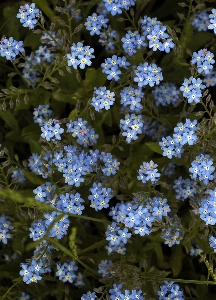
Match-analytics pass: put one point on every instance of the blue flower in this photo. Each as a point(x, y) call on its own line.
point(28, 15)
point(212, 19)
point(148, 171)
point(10, 48)
point(203, 59)
point(80, 56)
point(146, 74)
point(103, 98)
point(201, 21)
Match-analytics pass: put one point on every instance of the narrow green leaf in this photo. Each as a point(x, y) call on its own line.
point(155, 147)
point(9, 119)
point(33, 178)
point(176, 260)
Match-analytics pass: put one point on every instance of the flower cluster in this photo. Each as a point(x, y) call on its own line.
point(39, 228)
point(139, 217)
point(148, 171)
point(156, 34)
point(183, 134)
point(66, 271)
point(132, 41)
point(184, 188)
point(212, 19)
point(170, 290)
point(108, 38)
point(146, 74)
point(192, 89)
point(131, 98)
point(116, 6)
point(28, 15)
point(103, 267)
point(51, 130)
point(201, 21)
point(95, 22)
point(100, 196)
point(40, 164)
point(85, 134)
point(166, 93)
point(5, 226)
point(210, 79)
point(80, 56)
point(40, 113)
point(155, 130)
point(110, 164)
point(202, 168)
point(111, 67)
point(131, 126)
point(207, 208)
point(10, 48)
point(103, 98)
point(204, 61)
point(171, 235)
point(18, 175)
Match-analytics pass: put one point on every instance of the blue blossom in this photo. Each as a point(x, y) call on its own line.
point(148, 171)
point(28, 15)
point(111, 164)
point(210, 79)
point(170, 290)
point(146, 74)
point(103, 98)
point(116, 6)
point(132, 41)
point(28, 274)
point(111, 67)
point(103, 267)
point(100, 196)
point(19, 175)
point(172, 236)
point(203, 59)
point(66, 271)
point(201, 21)
point(184, 188)
point(5, 226)
point(212, 19)
point(80, 56)
point(89, 296)
point(166, 93)
point(192, 89)
point(183, 134)
point(202, 168)
point(51, 130)
point(108, 39)
point(71, 203)
point(95, 23)
point(131, 126)
point(84, 133)
point(131, 98)
point(10, 48)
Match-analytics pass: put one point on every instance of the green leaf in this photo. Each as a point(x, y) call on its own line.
point(18, 244)
point(63, 96)
point(32, 40)
point(73, 114)
point(31, 132)
point(35, 147)
point(44, 7)
point(176, 260)
point(33, 178)
point(9, 119)
point(155, 147)
point(14, 135)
